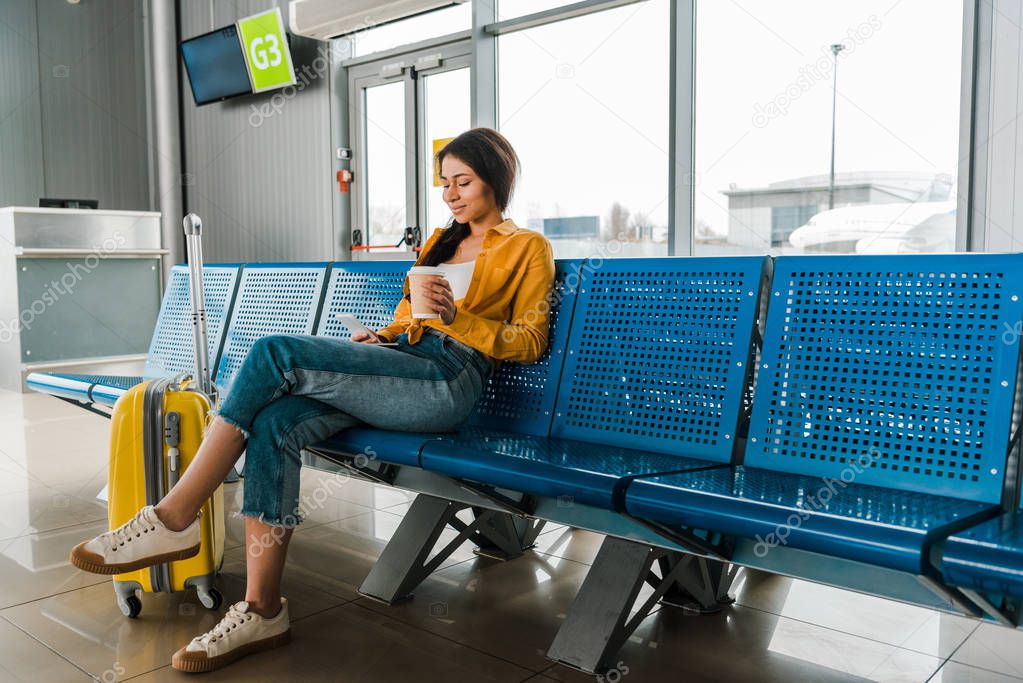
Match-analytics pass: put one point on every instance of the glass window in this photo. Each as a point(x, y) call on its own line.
point(446, 114)
point(585, 104)
point(385, 164)
point(764, 124)
point(411, 30)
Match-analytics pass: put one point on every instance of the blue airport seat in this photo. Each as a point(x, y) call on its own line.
point(100, 389)
point(987, 557)
point(518, 396)
point(880, 526)
point(110, 388)
point(396, 448)
point(171, 348)
point(887, 374)
point(656, 363)
point(564, 469)
point(369, 290)
point(273, 298)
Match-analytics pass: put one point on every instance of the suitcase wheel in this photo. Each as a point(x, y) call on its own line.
point(130, 606)
point(211, 599)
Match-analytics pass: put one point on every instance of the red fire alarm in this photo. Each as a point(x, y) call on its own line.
point(344, 179)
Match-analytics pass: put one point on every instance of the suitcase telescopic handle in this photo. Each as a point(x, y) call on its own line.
point(193, 245)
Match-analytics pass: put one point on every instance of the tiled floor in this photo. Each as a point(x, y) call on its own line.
point(473, 620)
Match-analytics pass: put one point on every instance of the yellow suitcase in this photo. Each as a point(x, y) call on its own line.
point(156, 430)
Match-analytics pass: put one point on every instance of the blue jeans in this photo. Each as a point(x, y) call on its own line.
point(293, 391)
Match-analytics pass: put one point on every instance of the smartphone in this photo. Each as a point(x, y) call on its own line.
point(356, 327)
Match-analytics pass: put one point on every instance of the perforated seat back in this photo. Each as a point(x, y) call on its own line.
point(520, 397)
point(370, 290)
point(172, 348)
point(273, 298)
point(896, 371)
point(658, 354)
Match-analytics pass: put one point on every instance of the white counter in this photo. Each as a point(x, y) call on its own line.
point(77, 288)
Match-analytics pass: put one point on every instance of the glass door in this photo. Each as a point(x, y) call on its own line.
point(384, 172)
point(403, 108)
point(446, 112)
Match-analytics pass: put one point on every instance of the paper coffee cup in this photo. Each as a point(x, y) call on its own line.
point(421, 306)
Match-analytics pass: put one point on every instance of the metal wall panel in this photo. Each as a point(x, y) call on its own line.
point(258, 168)
point(21, 144)
point(67, 307)
point(93, 95)
point(72, 103)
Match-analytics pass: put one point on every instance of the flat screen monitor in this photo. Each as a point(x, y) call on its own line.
point(55, 203)
point(216, 66)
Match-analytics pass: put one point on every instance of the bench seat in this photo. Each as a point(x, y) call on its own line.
point(651, 382)
point(988, 557)
point(860, 522)
point(397, 448)
point(566, 469)
point(100, 389)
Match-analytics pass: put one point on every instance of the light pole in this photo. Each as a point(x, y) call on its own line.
point(835, 49)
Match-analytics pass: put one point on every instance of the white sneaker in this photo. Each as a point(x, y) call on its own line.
point(238, 634)
point(140, 542)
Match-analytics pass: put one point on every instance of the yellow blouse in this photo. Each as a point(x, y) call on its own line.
point(506, 311)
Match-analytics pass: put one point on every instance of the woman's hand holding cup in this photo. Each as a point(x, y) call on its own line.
point(443, 299)
point(431, 294)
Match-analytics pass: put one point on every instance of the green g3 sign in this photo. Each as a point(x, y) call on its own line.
point(266, 50)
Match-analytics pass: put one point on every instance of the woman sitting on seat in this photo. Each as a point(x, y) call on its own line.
point(297, 390)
